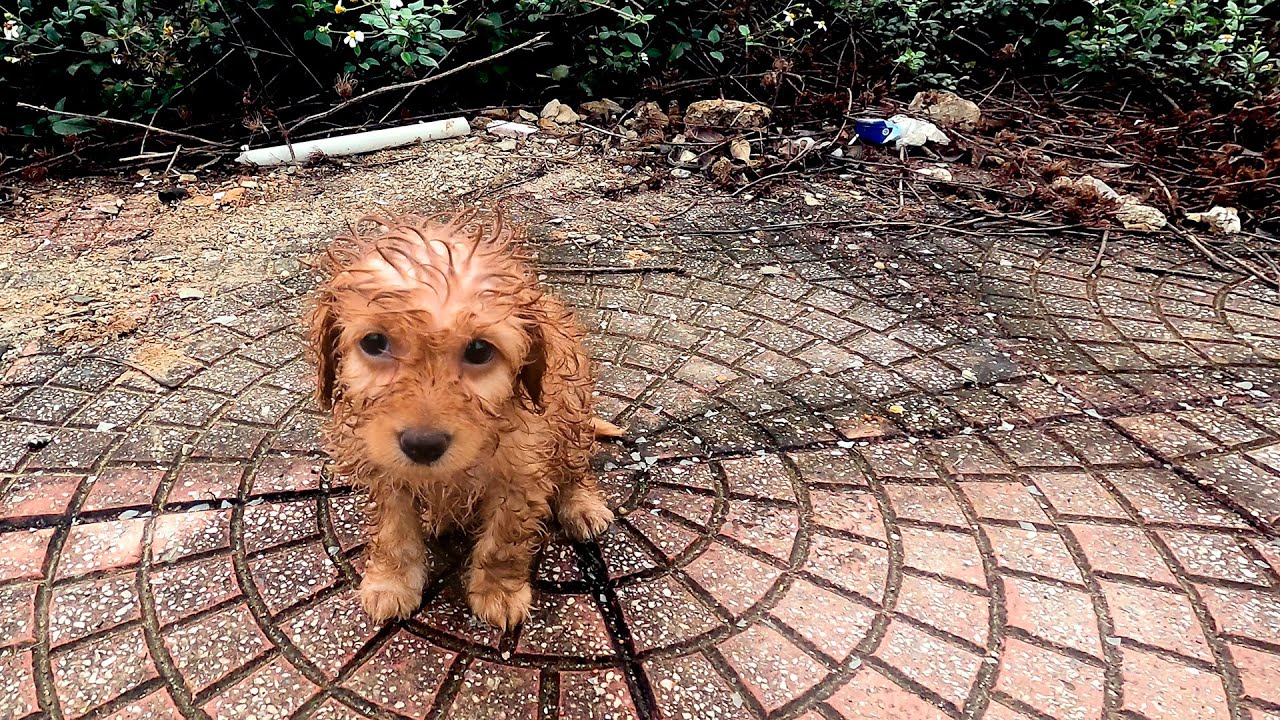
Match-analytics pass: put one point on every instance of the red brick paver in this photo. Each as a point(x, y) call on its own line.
point(1028, 493)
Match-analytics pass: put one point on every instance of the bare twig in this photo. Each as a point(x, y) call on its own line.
point(134, 367)
point(142, 146)
point(173, 159)
point(1221, 263)
point(1102, 249)
point(611, 269)
point(128, 123)
point(412, 90)
point(678, 213)
point(602, 131)
point(412, 83)
point(761, 179)
point(856, 224)
point(262, 85)
point(283, 43)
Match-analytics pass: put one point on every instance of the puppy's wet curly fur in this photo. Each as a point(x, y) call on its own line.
point(461, 396)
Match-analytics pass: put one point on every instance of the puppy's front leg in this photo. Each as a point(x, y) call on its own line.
point(397, 567)
point(498, 585)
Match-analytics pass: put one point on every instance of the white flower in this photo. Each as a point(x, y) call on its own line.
point(790, 17)
point(11, 30)
point(12, 59)
point(353, 38)
point(395, 4)
point(822, 24)
point(1226, 38)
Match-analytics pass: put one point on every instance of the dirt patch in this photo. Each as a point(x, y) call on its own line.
point(89, 260)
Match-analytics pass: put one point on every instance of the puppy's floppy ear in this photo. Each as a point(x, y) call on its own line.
point(324, 349)
point(535, 366)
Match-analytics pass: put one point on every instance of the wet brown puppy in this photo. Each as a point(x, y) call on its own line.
point(461, 395)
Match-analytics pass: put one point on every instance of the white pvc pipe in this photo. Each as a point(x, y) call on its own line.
point(358, 143)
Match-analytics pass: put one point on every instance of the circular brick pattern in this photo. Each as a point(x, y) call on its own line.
point(958, 479)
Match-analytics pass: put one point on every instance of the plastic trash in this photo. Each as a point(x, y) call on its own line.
point(875, 130)
point(1225, 220)
point(914, 133)
point(363, 142)
point(1131, 213)
point(935, 173)
point(901, 130)
point(509, 129)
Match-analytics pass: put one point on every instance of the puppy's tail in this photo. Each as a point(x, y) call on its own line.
point(604, 428)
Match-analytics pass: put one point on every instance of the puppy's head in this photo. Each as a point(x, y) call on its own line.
point(425, 339)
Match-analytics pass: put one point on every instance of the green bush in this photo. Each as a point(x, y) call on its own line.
point(1177, 43)
point(180, 60)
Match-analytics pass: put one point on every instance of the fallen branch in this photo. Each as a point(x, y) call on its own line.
point(128, 123)
point(611, 269)
point(1219, 262)
point(861, 224)
point(411, 84)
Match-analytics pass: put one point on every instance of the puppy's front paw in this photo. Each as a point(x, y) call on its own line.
point(501, 608)
point(385, 596)
point(584, 517)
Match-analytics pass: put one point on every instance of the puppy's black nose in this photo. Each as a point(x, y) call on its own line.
point(424, 446)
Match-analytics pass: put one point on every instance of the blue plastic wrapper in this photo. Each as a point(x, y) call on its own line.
point(875, 131)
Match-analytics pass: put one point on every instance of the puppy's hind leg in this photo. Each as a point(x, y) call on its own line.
point(605, 429)
point(397, 568)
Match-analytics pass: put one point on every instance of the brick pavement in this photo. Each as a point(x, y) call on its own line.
point(967, 482)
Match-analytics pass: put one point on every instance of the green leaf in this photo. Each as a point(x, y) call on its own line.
point(717, 55)
point(633, 38)
point(408, 57)
point(71, 126)
point(452, 34)
point(324, 39)
point(714, 35)
point(559, 72)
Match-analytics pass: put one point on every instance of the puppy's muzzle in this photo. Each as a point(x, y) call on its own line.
point(424, 446)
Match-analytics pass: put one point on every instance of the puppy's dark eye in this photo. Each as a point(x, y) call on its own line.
point(375, 344)
point(478, 352)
